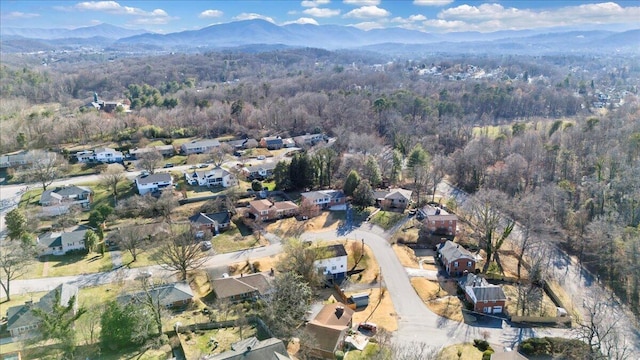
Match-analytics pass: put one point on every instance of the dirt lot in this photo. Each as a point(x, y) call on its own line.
point(408, 258)
point(380, 310)
point(547, 308)
point(291, 227)
point(440, 298)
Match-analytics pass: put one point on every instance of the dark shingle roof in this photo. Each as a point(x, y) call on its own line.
point(228, 287)
point(222, 217)
point(488, 293)
point(452, 251)
point(19, 316)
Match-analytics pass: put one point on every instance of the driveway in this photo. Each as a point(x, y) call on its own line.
point(416, 323)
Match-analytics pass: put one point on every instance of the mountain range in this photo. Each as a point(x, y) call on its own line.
point(330, 37)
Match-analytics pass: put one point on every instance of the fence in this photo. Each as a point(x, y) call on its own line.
point(253, 320)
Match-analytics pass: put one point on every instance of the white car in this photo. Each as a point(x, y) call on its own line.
point(205, 245)
point(261, 157)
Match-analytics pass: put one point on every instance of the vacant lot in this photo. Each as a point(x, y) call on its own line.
point(73, 264)
point(539, 307)
point(197, 344)
point(386, 219)
point(380, 310)
point(292, 227)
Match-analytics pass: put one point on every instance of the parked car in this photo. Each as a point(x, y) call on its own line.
point(261, 157)
point(205, 245)
point(202, 166)
point(168, 165)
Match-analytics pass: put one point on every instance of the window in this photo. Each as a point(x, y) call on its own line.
point(469, 263)
point(455, 264)
point(334, 267)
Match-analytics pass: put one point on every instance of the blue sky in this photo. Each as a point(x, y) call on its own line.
point(427, 15)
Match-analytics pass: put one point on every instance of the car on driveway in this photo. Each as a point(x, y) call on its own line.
point(168, 165)
point(205, 245)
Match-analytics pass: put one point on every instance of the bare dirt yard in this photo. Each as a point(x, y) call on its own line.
point(440, 297)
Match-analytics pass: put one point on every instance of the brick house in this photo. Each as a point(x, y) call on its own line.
point(455, 259)
point(393, 198)
point(243, 288)
point(486, 298)
point(328, 329)
point(214, 222)
point(272, 142)
point(439, 222)
point(265, 210)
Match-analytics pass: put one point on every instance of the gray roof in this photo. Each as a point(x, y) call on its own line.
point(222, 217)
point(264, 166)
point(166, 293)
point(216, 172)
point(201, 143)
point(228, 287)
point(63, 192)
point(487, 293)
point(254, 349)
point(21, 315)
point(55, 239)
point(452, 251)
point(154, 178)
point(321, 194)
point(472, 280)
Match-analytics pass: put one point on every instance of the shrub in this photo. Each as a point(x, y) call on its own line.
point(339, 355)
point(486, 355)
point(481, 344)
point(526, 348)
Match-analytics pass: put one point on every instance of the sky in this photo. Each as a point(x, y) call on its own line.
point(435, 16)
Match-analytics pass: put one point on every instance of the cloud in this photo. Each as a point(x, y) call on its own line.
point(210, 14)
point(432, 2)
point(314, 3)
point(362, 2)
point(302, 20)
point(368, 25)
point(253, 16)
point(322, 12)
point(493, 17)
point(154, 17)
point(19, 15)
point(367, 12)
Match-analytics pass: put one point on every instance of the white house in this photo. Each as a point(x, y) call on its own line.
point(103, 155)
point(153, 182)
point(308, 139)
point(326, 199)
point(261, 171)
point(57, 243)
point(199, 147)
point(108, 155)
point(214, 177)
point(334, 263)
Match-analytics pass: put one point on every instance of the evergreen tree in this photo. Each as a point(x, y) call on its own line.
point(372, 172)
point(281, 176)
point(350, 185)
point(363, 195)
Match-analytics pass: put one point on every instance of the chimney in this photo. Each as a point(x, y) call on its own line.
point(339, 311)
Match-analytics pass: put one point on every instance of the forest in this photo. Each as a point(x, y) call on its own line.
point(557, 137)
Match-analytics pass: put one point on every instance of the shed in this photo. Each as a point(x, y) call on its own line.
point(360, 300)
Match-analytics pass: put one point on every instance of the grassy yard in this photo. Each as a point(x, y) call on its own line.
point(547, 307)
point(467, 350)
point(380, 310)
point(148, 257)
point(197, 344)
point(409, 233)
point(18, 299)
point(74, 264)
point(386, 219)
point(370, 351)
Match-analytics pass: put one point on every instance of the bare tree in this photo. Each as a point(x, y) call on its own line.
point(45, 167)
point(300, 259)
point(111, 178)
point(181, 253)
point(439, 166)
point(218, 154)
point(600, 330)
point(15, 259)
point(134, 238)
point(150, 161)
point(485, 206)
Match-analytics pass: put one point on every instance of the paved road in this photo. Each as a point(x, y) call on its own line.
point(578, 282)
point(416, 323)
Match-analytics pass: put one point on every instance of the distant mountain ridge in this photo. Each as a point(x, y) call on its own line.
point(102, 30)
point(241, 34)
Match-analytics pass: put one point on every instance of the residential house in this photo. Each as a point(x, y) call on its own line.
point(455, 259)
point(153, 182)
point(393, 198)
point(199, 146)
point(439, 222)
point(243, 144)
point(108, 155)
point(326, 199)
point(241, 288)
point(288, 143)
point(22, 323)
point(15, 159)
point(58, 201)
point(101, 155)
point(260, 172)
point(171, 296)
point(214, 177)
point(486, 298)
point(254, 349)
point(213, 222)
point(329, 329)
point(334, 262)
point(271, 142)
point(60, 243)
point(308, 139)
point(106, 106)
point(164, 150)
point(265, 209)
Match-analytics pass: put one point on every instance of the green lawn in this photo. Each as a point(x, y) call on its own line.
point(148, 257)
point(74, 264)
point(386, 219)
point(197, 344)
point(234, 240)
point(370, 351)
point(18, 299)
